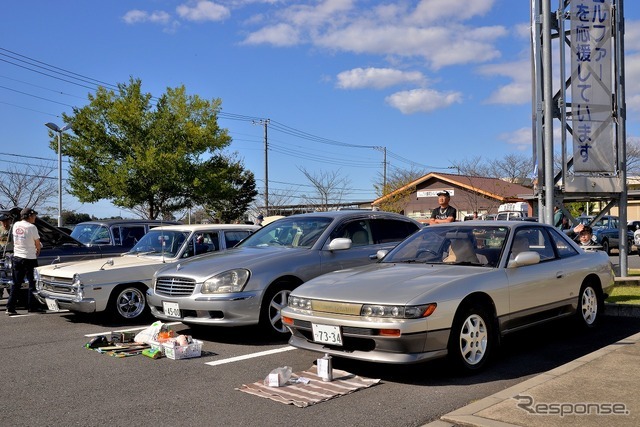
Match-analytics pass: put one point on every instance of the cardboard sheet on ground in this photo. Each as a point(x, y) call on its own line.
point(316, 391)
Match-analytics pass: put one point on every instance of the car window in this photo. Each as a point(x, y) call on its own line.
point(357, 230)
point(469, 245)
point(391, 230)
point(232, 238)
point(291, 231)
point(130, 235)
point(532, 239)
point(563, 248)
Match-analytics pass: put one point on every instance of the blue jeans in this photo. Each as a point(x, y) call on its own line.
point(22, 268)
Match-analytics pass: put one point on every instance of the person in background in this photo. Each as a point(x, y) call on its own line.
point(443, 213)
point(5, 220)
point(26, 248)
point(585, 236)
point(259, 220)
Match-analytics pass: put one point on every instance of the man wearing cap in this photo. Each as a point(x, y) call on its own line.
point(443, 213)
point(259, 220)
point(26, 248)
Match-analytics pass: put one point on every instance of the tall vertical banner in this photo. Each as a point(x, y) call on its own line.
point(594, 145)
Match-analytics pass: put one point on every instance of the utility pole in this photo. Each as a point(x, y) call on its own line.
point(265, 123)
point(384, 168)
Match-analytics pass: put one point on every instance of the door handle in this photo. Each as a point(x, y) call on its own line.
point(559, 275)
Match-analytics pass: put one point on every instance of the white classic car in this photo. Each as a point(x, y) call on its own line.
point(450, 289)
point(118, 285)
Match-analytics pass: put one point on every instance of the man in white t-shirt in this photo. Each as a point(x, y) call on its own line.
point(26, 248)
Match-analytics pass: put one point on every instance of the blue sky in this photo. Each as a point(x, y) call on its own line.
point(433, 81)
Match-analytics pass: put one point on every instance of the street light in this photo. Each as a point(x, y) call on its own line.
point(54, 127)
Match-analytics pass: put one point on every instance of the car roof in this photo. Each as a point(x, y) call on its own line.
point(199, 227)
point(361, 213)
point(127, 221)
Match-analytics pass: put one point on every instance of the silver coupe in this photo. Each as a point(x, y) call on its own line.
point(451, 289)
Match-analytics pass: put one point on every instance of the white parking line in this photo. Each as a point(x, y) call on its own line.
point(250, 356)
point(128, 330)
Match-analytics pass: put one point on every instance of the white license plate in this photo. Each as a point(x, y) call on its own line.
point(171, 309)
point(327, 334)
point(52, 304)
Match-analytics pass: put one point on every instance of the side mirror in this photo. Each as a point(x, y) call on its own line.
point(340, 244)
point(524, 258)
point(382, 253)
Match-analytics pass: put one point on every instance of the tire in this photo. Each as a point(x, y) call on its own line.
point(128, 303)
point(605, 247)
point(590, 306)
point(270, 313)
point(472, 339)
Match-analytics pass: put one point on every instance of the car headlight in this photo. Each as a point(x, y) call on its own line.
point(398, 311)
point(299, 303)
point(77, 284)
point(229, 281)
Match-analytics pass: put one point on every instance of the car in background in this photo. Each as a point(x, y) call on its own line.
point(250, 283)
point(606, 232)
point(57, 246)
point(118, 285)
point(450, 290)
point(115, 232)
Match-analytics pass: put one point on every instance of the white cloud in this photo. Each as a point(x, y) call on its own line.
point(203, 10)
point(378, 78)
point(422, 100)
point(518, 90)
point(520, 139)
point(430, 11)
point(277, 35)
point(140, 16)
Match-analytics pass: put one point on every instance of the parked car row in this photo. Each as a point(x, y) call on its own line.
point(367, 285)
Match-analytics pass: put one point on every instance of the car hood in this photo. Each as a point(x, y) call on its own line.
point(102, 264)
point(388, 283)
point(243, 257)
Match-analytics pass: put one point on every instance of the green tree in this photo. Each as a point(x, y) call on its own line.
point(161, 155)
point(238, 195)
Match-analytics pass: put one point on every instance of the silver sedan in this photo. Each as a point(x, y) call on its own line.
point(450, 289)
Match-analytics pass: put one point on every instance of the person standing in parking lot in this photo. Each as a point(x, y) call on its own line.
point(443, 213)
point(26, 248)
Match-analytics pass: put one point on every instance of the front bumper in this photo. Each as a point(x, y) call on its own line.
point(365, 344)
point(85, 305)
point(234, 309)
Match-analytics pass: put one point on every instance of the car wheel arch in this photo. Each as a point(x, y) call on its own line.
point(118, 291)
point(588, 314)
point(480, 307)
point(268, 317)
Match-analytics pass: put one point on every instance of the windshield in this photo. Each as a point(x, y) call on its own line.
point(160, 243)
point(91, 234)
point(291, 232)
point(468, 245)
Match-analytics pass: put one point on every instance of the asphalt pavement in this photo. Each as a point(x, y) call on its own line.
point(598, 389)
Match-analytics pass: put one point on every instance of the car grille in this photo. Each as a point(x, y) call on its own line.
point(175, 286)
point(58, 285)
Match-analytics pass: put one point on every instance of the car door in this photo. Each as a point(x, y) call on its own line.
point(539, 291)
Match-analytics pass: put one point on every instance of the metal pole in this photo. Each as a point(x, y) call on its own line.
point(548, 112)
point(59, 178)
point(622, 134)
point(266, 169)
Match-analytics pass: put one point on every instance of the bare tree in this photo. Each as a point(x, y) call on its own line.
point(512, 167)
point(329, 186)
point(33, 185)
point(397, 179)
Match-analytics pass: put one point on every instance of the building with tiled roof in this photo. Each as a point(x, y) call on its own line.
point(469, 194)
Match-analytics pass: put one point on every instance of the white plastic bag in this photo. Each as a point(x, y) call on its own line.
point(149, 333)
